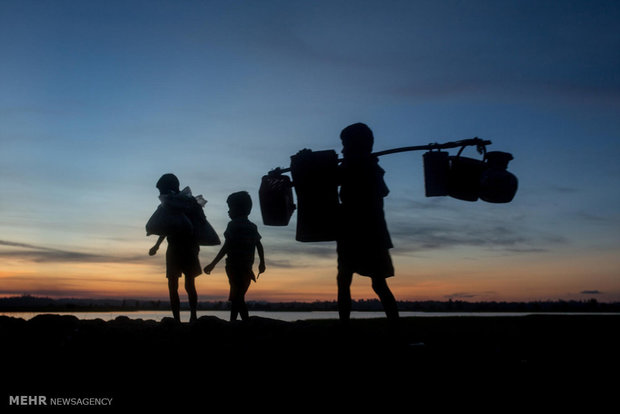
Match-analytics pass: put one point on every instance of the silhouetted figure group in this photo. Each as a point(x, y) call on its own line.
point(241, 241)
point(363, 240)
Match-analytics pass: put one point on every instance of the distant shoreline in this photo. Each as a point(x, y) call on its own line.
point(29, 303)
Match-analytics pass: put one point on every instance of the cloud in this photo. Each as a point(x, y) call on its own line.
point(294, 254)
point(446, 235)
point(43, 254)
point(561, 189)
point(282, 250)
point(16, 244)
point(433, 225)
point(461, 295)
point(427, 225)
point(91, 287)
point(483, 295)
point(591, 292)
point(281, 263)
point(593, 218)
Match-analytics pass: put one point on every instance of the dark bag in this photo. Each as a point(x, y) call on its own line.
point(204, 233)
point(181, 215)
point(436, 173)
point(165, 222)
point(314, 177)
point(276, 200)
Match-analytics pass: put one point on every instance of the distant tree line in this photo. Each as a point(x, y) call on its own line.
point(45, 304)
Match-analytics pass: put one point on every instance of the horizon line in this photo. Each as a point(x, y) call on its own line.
point(258, 301)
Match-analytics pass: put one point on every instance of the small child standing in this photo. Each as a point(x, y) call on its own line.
point(241, 239)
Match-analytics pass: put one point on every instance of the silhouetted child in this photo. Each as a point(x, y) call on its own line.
point(241, 239)
point(183, 247)
point(363, 240)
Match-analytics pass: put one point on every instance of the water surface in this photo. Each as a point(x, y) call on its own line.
point(280, 315)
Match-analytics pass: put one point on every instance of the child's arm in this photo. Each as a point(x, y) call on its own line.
point(261, 258)
point(208, 268)
point(154, 249)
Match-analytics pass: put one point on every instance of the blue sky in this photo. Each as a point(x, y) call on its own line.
point(99, 98)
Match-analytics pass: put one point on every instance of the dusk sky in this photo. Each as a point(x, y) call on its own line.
point(98, 99)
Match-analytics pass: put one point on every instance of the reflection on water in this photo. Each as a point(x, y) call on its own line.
point(283, 316)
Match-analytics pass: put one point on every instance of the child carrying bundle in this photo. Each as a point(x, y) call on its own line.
point(181, 220)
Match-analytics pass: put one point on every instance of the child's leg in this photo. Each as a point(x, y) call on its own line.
point(238, 307)
point(344, 280)
point(232, 294)
point(380, 286)
point(175, 303)
point(233, 311)
point(241, 305)
point(243, 310)
point(192, 295)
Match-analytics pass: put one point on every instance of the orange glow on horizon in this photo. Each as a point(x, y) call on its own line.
point(416, 279)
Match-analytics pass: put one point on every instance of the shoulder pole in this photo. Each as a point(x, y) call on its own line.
point(479, 143)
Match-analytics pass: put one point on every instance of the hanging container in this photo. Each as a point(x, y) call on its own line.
point(497, 185)
point(314, 177)
point(276, 199)
point(436, 173)
point(464, 177)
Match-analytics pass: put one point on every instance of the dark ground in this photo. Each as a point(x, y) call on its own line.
point(464, 362)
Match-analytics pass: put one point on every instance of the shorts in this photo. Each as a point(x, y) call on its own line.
point(357, 258)
point(239, 280)
point(182, 260)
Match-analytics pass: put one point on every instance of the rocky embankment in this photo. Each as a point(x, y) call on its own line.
point(145, 362)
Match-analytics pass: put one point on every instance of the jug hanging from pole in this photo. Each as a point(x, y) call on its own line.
point(497, 185)
point(464, 177)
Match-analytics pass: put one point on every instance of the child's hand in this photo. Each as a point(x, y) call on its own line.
point(209, 268)
point(153, 250)
point(261, 268)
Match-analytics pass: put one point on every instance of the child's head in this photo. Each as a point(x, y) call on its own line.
point(168, 184)
point(357, 139)
point(239, 204)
